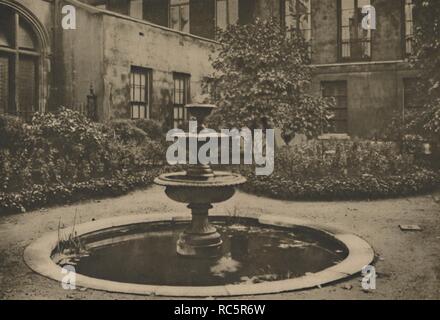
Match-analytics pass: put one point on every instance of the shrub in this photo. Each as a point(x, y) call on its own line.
point(12, 132)
point(61, 153)
point(128, 132)
point(152, 128)
point(342, 170)
point(44, 195)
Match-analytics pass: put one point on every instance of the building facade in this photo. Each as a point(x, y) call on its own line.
point(148, 58)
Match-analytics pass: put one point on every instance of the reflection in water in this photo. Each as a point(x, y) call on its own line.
point(251, 254)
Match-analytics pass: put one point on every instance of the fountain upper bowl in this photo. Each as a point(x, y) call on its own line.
point(186, 189)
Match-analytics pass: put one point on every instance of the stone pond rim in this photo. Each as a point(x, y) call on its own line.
point(38, 256)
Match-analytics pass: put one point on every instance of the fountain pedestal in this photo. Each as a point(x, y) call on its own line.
point(200, 187)
point(201, 238)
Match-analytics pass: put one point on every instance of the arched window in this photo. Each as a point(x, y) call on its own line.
point(19, 60)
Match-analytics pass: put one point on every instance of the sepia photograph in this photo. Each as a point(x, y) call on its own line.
point(225, 153)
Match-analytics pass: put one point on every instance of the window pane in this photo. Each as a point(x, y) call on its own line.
point(6, 27)
point(409, 26)
point(135, 111)
point(177, 2)
point(337, 90)
point(363, 3)
point(184, 18)
point(131, 86)
point(136, 8)
point(233, 11)
point(4, 41)
point(174, 18)
point(298, 15)
point(26, 85)
point(142, 113)
point(26, 38)
point(222, 14)
point(4, 84)
point(302, 7)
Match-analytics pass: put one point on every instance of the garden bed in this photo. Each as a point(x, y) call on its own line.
point(63, 158)
point(349, 170)
point(344, 188)
point(40, 196)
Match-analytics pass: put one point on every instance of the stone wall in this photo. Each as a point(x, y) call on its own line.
point(387, 41)
point(374, 88)
point(79, 62)
point(374, 93)
point(129, 43)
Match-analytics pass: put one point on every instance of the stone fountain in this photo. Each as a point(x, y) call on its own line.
point(200, 187)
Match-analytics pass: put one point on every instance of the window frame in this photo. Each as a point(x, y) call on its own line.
point(14, 54)
point(405, 37)
point(147, 73)
point(297, 17)
point(228, 13)
point(337, 107)
point(341, 42)
point(186, 3)
point(185, 99)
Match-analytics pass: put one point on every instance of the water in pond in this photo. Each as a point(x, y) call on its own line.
point(251, 253)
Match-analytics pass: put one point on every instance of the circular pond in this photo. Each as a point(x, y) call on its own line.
point(264, 254)
point(251, 254)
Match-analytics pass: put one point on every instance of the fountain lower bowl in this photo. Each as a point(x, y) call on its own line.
point(120, 231)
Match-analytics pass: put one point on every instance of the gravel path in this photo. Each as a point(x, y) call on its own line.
point(408, 263)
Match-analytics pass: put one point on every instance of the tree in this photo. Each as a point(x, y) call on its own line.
point(427, 59)
point(262, 76)
point(427, 44)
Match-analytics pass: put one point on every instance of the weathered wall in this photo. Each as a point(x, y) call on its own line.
point(105, 46)
point(129, 43)
point(375, 89)
point(386, 39)
point(325, 31)
point(41, 9)
point(374, 92)
point(80, 60)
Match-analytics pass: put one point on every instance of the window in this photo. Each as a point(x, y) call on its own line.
point(140, 89)
point(4, 84)
point(355, 41)
point(19, 61)
point(136, 9)
point(226, 13)
point(181, 98)
point(119, 6)
point(156, 11)
point(246, 11)
point(297, 14)
point(409, 27)
point(337, 90)
point(179, 15)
